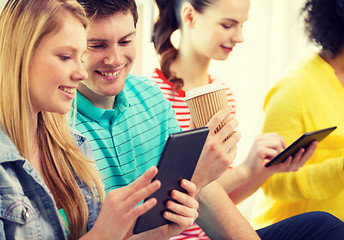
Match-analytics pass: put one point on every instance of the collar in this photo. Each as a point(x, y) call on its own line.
point(8, 152)
point(85, 107)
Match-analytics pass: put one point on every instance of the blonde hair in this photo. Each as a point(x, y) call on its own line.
point(23, 25)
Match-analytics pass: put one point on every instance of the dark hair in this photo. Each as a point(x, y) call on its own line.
point(324, 24)
point(103, 8)
point(167, 22)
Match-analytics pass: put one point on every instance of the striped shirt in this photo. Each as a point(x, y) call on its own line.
point(128, 139)
point(183, 117)
point(177, 98)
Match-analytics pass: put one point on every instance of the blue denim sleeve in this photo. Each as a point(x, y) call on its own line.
point(83, 144)
point(2, 230)
point(93, 202)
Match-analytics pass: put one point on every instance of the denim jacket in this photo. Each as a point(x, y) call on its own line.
point(27, 208)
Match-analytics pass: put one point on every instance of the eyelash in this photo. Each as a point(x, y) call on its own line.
point(125, 42)
point(227, 27)
point(64, 58)
point(96, 46)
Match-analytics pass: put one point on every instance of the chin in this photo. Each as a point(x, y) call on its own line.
point(63, 110)
point(221, 58)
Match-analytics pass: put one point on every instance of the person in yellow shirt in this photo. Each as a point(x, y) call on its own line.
point(310, 96)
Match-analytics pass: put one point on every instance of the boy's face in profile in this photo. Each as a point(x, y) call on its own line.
point(110, 53)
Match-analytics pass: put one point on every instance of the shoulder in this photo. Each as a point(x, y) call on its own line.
point(218, 81)
point(161, 80)
point(8, 151)
point(296, 80)
point(303, 72)
point(158, 76)
point(140, 82)
point(82, 143)
point(142, 88)
point(77, 136)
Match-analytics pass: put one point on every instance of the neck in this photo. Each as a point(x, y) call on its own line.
point(191, 67)
point(33, 125)
point(337, 63)
point(104, 102)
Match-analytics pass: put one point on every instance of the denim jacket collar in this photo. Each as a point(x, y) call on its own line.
point(8, 152)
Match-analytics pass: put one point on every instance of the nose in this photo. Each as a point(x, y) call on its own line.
point(80, 73)
point(112, 57)
point(238, 37)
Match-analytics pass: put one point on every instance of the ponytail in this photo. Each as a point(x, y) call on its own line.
point(165, 25)
point(168, 21)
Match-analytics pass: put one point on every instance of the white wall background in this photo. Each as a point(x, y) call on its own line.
point(274, 39)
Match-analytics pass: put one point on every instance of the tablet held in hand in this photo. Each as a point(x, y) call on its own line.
point(178, 161)
point(302, 142)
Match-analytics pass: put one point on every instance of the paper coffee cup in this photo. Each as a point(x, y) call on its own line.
point(203, 102)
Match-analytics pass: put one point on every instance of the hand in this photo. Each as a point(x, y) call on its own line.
point(240, 186)
point(265, 147)
point(119, 210)
point(217, 153)
point(293, 164)
point(183, 212)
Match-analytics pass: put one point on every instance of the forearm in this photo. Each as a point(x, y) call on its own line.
point(249, 187)
point(239, 183)
point(218, 216)
point(233, 178)
point(152, 234)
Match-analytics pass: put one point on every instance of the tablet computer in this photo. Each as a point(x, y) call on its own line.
point(177, 161)
point(302, 142)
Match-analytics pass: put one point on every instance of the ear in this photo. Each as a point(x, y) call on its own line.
point(188, 14)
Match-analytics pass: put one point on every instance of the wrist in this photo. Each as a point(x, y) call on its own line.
point(244, 171)
point(91, 235)
point(162, 233)
point(199, 184)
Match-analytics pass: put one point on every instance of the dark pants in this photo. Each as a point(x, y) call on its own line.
point(312, 226)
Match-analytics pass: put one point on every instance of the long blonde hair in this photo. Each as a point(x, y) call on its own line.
point(23, 25)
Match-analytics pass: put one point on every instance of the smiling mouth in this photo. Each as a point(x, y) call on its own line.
point(109, 74)
point(67, 90)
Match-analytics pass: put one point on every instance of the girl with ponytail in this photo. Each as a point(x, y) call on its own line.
point(196, 45)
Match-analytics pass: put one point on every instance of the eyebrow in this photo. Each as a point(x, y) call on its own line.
point(104, 40)
point(67, 47)
point(230, 20)
point(233, 20)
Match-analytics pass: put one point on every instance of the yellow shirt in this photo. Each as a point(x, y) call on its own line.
point(309, 97)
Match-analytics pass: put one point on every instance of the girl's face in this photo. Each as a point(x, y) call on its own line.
point(56, 68)
point(218, 29)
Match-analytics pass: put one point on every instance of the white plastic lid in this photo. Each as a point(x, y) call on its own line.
point(203, 90)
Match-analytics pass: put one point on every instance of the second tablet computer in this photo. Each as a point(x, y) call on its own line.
point(302, 142)
point(178, 161)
